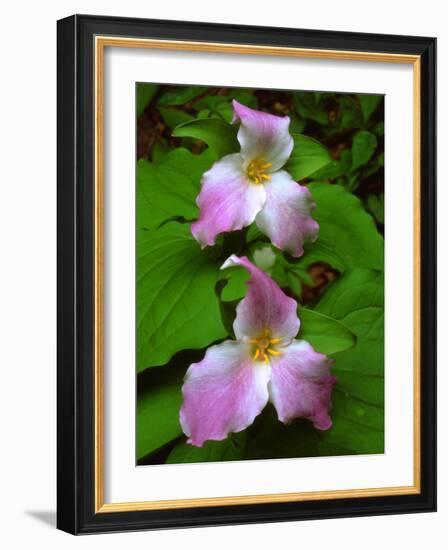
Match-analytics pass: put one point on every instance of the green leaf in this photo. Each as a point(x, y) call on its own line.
point(358, 426)
point(357, 301)
point(168, 188)
point(307, 107)
point(217, 134)
point(363, 147)
point(210, 102)
point(220, 106)
point(158, 404)
point(335, 168)
point(244, 96)
point(159, 150)
point(375, 205)
point(369, 103)
point(145, 93)
point(236, 287)
point(177, 307)
point(223, 111)
point(174, 117)
point(231, 448)
point(325, 334)
point(348, 236)
point(350, 113)
point(307, 157)
point(297, 125)
point(179, 95)
point(254, 234)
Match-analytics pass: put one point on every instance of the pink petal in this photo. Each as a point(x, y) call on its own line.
point(262, 135)
point(286, 216)
point(223, 393)
point(301, 384)
point(228, 200)
point(265, 306)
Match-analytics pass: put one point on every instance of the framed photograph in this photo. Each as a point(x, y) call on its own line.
point(246, 274)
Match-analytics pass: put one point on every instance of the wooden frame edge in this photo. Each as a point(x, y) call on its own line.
point(100, 43)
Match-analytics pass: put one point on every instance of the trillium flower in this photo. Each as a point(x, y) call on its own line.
point(225, 391)
point(250, 185)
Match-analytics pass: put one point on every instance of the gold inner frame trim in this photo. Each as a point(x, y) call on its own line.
point(101, 42)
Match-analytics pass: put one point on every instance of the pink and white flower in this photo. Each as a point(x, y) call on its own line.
point(251, 185)
point(225, 391)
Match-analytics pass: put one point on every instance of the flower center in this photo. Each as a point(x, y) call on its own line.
point(263, 346)
point(256, 171)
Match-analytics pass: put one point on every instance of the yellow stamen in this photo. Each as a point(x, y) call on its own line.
point(264, 346)
point(256, 170)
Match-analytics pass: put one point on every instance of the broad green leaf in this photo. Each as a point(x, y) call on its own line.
point(335, 168)
point(217, 134)
point(145, 93)
point(158, 404)
point(369, 103)
point(307, 157)
point(363, 147)
point(177, 307)
point(235, 287)
point(179, 95)
point(348, 236)
point(357, 301)
point(231, 448)
point(325, 334)
point(358, 426)
point(174, 117)
point(168, 189)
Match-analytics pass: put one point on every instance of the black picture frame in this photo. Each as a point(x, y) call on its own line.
point(75, 172)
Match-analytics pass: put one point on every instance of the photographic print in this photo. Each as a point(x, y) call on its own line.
point(234, 294)
point(234, 299)
point(259, 274)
